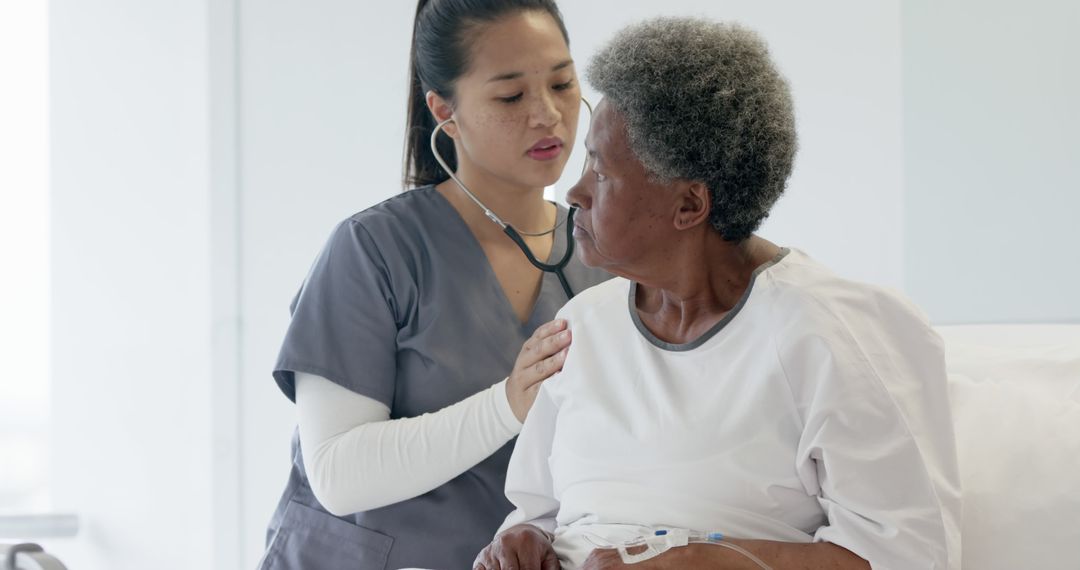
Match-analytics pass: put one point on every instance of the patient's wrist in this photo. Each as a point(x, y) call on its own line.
point(547, 535)
point(697, 555)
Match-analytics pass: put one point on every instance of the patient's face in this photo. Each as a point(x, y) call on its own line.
point(624, 218)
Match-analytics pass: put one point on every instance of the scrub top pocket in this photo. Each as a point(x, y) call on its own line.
point(309, 539)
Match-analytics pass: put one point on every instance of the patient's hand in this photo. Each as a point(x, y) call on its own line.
point(520, 547)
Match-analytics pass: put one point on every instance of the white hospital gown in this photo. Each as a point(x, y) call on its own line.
point(816, 411)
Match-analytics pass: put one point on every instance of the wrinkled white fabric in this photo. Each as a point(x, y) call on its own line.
point(816, 411)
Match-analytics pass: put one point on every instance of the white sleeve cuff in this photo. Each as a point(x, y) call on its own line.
point(501, 401)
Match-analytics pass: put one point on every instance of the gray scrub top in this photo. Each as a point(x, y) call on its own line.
point(402, 306)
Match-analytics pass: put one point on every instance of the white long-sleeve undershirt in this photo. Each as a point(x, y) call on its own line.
point(358, 459)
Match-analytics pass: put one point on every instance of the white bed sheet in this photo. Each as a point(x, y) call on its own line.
point(1015, 395)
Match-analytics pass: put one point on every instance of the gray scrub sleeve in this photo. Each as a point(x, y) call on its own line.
point(343, 325)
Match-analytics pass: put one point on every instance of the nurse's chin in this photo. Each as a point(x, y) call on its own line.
point(544, 173)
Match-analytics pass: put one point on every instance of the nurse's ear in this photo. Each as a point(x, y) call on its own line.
point(694, 202)
point(442, 110)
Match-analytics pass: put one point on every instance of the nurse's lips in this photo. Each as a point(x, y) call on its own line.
point(547, 148)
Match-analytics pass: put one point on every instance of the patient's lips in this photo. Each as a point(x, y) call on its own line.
point(580, 232)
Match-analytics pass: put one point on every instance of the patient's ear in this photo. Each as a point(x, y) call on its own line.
point(694, 205)
point(442, 110)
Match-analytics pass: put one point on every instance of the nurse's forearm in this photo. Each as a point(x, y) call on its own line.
point(355, 464)
point(778, 555)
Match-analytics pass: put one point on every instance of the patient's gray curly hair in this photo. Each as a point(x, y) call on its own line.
point(703, 101)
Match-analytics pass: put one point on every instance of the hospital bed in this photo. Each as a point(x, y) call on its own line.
point(1015, 397)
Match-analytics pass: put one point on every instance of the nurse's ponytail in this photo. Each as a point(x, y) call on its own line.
point(438, 58)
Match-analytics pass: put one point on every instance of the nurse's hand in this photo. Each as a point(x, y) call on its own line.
point(540, 357)
point(520, 547)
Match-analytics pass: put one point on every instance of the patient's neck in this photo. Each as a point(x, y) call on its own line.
point(686, 293)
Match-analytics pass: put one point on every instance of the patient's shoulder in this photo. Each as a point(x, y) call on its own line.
point(810, 306)
point(806, 291)
point(599, 301)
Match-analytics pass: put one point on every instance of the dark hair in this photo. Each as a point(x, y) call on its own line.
point(439, 57)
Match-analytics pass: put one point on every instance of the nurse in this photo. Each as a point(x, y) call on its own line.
point(418, 340)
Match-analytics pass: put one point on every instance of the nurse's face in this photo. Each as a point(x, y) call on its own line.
point(516, 108)
point(625, 219)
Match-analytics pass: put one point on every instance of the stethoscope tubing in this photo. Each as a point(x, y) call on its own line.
point(556, 268)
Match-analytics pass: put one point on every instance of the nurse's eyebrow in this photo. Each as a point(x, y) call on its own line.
point(519, 74)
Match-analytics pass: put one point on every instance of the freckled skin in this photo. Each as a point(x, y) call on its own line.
point(493, 136)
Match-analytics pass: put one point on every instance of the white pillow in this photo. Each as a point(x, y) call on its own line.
point(1015, 393)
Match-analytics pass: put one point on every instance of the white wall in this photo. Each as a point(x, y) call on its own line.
point(322, 111)
point(991, 116)
point(322, 106)
point(131, 259)
point(24, 260)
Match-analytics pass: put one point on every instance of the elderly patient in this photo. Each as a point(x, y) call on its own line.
point(723, 383)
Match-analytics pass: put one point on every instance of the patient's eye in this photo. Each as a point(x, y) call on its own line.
point(590, 162)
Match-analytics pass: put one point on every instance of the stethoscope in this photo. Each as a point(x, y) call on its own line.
point(558, 267)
